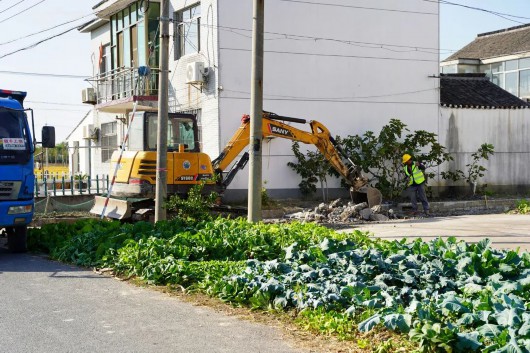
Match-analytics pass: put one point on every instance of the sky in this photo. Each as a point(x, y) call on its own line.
point(57, 100)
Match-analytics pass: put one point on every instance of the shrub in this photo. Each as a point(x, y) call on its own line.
point(196, 206)
point(312, 167)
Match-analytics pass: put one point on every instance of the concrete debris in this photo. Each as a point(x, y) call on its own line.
point(366, 213)
point(377, 217)
point(339, 211)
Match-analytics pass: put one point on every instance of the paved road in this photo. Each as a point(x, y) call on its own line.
point(505, 231)
point(49, 307)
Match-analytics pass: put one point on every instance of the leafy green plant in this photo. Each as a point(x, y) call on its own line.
point(195, 206)
point(266, 200)
point(445, 295)
point(313, 168)
point(475, 169)
point(433, 338)
point(327, 322)
point(379, 156)
point(523, 206)
point(82, 177)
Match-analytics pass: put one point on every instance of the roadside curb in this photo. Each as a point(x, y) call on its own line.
point(497, 205)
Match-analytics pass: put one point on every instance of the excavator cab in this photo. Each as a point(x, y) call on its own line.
point(182, 130)
point(134, 187)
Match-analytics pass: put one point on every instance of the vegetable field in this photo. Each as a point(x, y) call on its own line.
point(440, 296)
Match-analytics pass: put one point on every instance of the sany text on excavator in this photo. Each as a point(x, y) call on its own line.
point(134, 188)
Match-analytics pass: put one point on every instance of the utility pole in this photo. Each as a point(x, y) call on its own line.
point(256, 114)
point(161, 140)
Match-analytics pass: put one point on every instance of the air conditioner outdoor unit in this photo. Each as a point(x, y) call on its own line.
point(195, 72)
point(88, 131)
point(88, 96)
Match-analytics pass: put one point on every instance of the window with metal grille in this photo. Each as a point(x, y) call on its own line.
point(109, 140)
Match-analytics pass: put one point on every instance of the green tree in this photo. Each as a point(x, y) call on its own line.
point(379, 156)
point(313, 168)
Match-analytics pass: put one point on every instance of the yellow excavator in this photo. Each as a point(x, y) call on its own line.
point(133, 191)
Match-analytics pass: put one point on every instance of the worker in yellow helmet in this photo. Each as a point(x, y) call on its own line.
point(416, 180)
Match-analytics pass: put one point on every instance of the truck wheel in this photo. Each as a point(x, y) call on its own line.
point(17, 239)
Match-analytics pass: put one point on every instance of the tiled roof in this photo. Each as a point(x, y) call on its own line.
point(476, 91)
point(508, 41)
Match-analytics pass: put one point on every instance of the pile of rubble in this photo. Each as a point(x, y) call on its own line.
point(338, 212)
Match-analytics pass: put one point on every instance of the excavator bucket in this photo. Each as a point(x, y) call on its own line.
point(367, 194)
point(116, 208)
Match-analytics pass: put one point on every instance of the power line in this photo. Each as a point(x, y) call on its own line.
point(342, 41)
point(495, 13)
point(10, 7)
point(60, 110)
point(21, 12)
point(333, 101)
point(331, 55)
point(42, 74)
point(359, 7)
point(57, 103)
point(37, 43)
point(339, 98)
point(44, 30)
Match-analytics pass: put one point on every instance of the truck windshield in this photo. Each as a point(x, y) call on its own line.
point(180, 131)
point(14, 137)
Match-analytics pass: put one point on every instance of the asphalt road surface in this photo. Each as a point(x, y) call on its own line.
point(49, 307)
point(506, 231)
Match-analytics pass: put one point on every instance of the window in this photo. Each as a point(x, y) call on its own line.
point(511, 83)
point(109, 140)
point(135, 36)
point(120, 50)
point(498, 79)
point(188, 31)
point(449, 69)
point(512, 65)
point(497, 67)
point(524, 83)
point(134, 46)
point(181, 130)
point(153, 35)
point(524, 63)
point(104, 59)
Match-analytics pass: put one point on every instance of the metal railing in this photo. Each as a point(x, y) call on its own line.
point(63, 185)
point(125, 82)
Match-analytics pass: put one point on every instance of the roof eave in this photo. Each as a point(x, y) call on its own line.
point(92, 25)
point(113, 7)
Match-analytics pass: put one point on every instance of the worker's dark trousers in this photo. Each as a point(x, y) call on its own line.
point(417, 191)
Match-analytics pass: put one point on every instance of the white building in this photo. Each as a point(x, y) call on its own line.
point(350, 65)
point(503, 55)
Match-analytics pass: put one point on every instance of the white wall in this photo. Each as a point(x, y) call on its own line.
point(358, 87)
point(184, 97)
point(101, 36)
point(464, 130)
point(98, 36)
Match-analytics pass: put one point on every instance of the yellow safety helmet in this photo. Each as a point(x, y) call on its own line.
point(406, 158)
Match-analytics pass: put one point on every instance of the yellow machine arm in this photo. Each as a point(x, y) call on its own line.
point(272, 127)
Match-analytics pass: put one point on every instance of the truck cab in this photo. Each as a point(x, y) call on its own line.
point(17, 179)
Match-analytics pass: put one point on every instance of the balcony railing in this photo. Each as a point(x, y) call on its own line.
point(126, 82)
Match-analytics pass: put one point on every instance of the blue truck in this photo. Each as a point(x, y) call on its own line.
point(17, 178)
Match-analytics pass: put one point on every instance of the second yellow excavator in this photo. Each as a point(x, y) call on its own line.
point(134, 187)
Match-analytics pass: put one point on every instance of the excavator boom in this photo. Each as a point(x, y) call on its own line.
point(319, 136)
